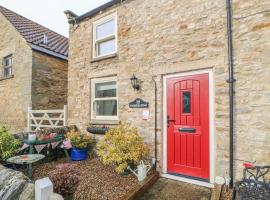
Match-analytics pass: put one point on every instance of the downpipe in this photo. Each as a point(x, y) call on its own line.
point(154, 161)
point(231, 81)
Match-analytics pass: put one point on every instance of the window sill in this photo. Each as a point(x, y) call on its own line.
point(104, 57)
point(104, 122)
point(7, 77)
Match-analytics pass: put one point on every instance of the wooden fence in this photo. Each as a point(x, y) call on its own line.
point(39, 119)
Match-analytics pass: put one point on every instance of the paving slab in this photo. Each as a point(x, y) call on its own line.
point(167, 189)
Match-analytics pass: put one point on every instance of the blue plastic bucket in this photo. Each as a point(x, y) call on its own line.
point(78, 154)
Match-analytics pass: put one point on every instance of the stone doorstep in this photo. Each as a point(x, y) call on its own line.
point(142, 188)
point(165, 189)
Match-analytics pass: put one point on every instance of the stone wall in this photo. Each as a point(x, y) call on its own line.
point(156, 38)
point(252, 68)
point(15, 93)
point(38, 80)
point(49, 82)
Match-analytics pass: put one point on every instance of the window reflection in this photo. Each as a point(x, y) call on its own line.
point(186, 102)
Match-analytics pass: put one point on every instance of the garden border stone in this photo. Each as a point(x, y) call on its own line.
point(142, 188)
point(14, 185)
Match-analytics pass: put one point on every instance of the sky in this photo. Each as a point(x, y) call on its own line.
point(50, 13)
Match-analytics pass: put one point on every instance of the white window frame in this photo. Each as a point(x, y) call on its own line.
point(8, 66)
point(93, 98)
point(106, 38)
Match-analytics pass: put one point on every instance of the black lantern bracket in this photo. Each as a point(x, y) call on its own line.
point(135, 82)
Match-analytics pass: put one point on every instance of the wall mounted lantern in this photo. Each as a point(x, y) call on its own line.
point(135, 82)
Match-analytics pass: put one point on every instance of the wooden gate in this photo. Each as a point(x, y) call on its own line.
point(39, 119)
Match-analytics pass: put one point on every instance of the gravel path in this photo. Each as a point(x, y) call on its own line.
point(97, 182)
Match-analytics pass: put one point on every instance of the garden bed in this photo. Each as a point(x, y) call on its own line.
point(97, 182)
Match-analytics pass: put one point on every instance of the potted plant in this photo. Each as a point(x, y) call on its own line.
point(81, 143)
point(9, 146)
point(122, 147)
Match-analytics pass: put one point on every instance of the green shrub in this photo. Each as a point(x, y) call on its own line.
point(8, 144)
point(122, 146)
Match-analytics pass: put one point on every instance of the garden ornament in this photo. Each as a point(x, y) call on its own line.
point(141, 170)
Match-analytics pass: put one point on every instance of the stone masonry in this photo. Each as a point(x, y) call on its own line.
point(49, 82)
point(156, 38)
point(38, 80)
point(15, 93)
point(252, 50)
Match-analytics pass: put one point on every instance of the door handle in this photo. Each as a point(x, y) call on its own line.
point(187, 130)
point(169, 120)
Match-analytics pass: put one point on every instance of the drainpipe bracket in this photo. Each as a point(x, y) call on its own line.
point(231, 80)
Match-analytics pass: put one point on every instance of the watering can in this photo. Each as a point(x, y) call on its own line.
point(141, 171)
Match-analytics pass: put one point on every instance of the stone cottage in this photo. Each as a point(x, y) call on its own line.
point(120, 52)
point(33, 69)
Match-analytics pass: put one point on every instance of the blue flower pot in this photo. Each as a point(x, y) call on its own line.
point(78, 154)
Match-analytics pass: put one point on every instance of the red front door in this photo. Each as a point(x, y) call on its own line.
point(188, 126)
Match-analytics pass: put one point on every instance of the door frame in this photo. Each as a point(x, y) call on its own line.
point(211, 128)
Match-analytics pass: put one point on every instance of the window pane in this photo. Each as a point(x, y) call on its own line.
point(107, 89)
point(186, 102)
point(106, 47)
point(106, 108)
point(8, 61)
point(7, 71)
point(105, 29)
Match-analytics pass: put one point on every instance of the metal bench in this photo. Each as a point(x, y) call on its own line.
point(255, 184)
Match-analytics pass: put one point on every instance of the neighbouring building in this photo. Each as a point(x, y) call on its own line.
point(33, 71)
point(182, 47)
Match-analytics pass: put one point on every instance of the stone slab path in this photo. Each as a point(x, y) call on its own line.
point(166, 189)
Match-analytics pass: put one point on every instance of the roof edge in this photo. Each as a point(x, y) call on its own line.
point(95, 11)
point(43, 50)
point(13, 18)
point(16, 30)
point(31, 21)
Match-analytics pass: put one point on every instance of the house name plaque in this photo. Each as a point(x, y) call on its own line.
point(138, 103)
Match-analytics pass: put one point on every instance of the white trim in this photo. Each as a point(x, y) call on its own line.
point(188, 180)
point(211, 123)
point(106, 38)
point(103, 80)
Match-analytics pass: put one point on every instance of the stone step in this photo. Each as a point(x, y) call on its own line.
point(166, 189)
